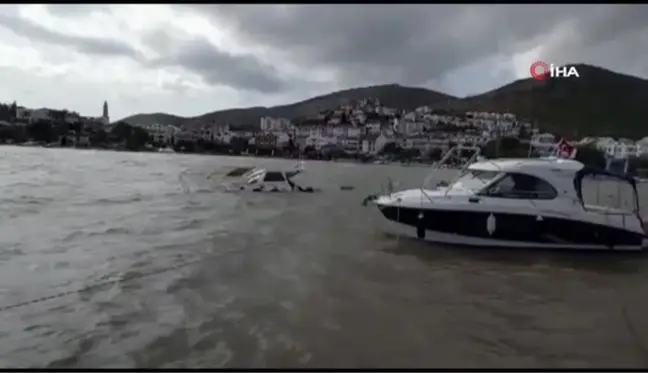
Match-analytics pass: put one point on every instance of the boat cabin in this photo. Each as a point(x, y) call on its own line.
point(532, 179)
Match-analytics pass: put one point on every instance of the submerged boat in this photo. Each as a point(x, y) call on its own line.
point(265, 180)
point(532, 203)
point(167, 149)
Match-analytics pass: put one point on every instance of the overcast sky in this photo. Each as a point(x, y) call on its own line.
point(192, 59)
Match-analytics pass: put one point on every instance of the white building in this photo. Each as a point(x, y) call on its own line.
point(351, 144)
point(373, 144)
point(642, 147)
point(268, 124)
point(420, 142)
point(344, 131)
point(623, 148)
point(27, 115)
point(604, 144)
point(162, 133)
point(543, 143)
point(24, 114)
point(619, 149)
point(318, 141)
point(407, 127)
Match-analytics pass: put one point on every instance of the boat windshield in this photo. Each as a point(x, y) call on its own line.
point(256, 176)
point(474, 179)
point(239, 171)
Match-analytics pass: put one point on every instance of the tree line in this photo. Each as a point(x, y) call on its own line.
point(57, 131)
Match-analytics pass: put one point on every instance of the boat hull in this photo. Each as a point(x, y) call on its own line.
point(465, 228)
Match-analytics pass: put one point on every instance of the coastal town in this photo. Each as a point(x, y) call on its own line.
point(360, 129)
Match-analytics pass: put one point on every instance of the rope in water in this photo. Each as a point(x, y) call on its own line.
point(106, 283)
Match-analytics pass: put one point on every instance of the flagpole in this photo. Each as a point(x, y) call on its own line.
point(497, 145)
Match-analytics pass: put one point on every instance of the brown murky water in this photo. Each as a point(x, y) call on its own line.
point(281, 280)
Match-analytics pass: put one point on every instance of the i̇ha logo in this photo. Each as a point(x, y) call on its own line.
point(540, 70)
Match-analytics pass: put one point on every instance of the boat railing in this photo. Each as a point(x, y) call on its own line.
point(452, 155)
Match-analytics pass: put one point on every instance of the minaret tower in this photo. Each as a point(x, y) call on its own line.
point(105, 116)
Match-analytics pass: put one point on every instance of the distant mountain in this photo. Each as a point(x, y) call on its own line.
point(390, 95)
point(599, 103)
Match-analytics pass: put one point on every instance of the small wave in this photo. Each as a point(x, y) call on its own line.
point(120, 200)
point(26, 200)
point(190, 224)
point(62, 265)
point(132, 162)
point(11, 252)
point(110, 231)
point(173, 193)
point(193, 206)
point(205, 190)
point(72, 236)
point(23, 184)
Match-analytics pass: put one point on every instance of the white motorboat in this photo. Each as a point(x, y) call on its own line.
point(532, 203)
point(264, 180)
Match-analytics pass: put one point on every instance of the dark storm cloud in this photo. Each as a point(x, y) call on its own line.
point(375, 44)
point(216, 67)
point(91, 45)
point(419, 43)
point(611, 35)
point(196, 55)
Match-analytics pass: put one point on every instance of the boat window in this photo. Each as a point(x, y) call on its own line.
point(604, 193)
point(475, 179)
point(240, 171)
point(483, 175)
point(514, 185)
point(274, 176)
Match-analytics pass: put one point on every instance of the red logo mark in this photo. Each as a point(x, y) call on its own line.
point(539, 70)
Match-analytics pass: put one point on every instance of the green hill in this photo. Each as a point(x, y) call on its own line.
point(391, 95)
point(599, 103)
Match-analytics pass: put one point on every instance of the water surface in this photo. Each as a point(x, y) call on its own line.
point(299, 280)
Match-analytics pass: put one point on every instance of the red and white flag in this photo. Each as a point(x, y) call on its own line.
point(565, 150)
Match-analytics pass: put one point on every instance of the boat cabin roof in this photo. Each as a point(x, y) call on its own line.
point(529, 165)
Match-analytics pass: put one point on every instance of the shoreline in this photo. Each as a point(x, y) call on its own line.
point(376, 162)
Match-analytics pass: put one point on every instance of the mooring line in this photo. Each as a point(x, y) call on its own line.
point(106, 283)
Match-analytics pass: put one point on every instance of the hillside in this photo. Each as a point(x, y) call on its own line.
point(391, 95)
point(599, 103)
